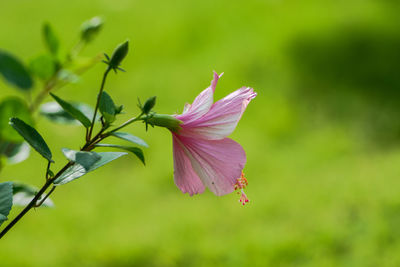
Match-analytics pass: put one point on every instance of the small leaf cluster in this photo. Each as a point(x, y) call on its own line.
point(108, 109)
point(51, 69)
point(99, 124)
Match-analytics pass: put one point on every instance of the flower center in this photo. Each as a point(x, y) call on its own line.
point(241, 184)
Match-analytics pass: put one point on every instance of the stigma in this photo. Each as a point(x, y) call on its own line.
point(243, 198)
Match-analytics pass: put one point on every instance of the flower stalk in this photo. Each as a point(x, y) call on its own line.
point(89, 134)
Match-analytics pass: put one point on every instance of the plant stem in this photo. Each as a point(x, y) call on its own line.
point(87, 147)
point(47, 170)
point(25, 210)
point(124, 124)
point(45, 197)
point(98, 137)
point(89, 136)
point(34, 200)
point(46, 89)
point(75, 50)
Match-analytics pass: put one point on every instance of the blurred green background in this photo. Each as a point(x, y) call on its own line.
point(321, 137)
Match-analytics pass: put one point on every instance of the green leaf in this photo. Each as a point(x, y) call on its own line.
point(23, 195)
point(14, 72)
point(86, 159)
point(107, 107)
point(55, 113)
point(135, 150)
point(51, 41)
point(130, 138)
point(32, 137)
point(74, 112)
point(6, 200)
point(3, 219)
point(43, 66)
point(12, 107)
point(14, 152)
point(77, 170)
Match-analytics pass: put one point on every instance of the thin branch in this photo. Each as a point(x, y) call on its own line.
point(44, 199)
point(124, 124)
point(89, 136)
point(34, 200)
point(47, 170)
point(89, 145)
point(49, 85)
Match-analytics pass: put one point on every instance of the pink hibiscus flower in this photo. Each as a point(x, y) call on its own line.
point(203, 155)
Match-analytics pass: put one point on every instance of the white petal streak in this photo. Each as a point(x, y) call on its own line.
point(184, 176)
point(218, 163)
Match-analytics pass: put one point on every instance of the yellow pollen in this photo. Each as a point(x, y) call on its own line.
point(241, 183)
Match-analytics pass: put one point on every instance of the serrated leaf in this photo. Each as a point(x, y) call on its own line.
point(13, 107)
point(86, 159)
point(43, 67)
point(76, 170)
point(6, 198)
point(55, 113)
point(74, 112)
point(50, 39)
point(32, 137)
point(23, 195)
point(135, 150)
point(14, 152)
point(131, 138)
point(14, 72)
point(107, 107)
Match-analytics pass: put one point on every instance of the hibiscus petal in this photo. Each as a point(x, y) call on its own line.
point(223, 116)
point(184, 176)
point(218, 163)
point(202, 103)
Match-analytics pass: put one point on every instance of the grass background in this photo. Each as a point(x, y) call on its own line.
point(321, 137)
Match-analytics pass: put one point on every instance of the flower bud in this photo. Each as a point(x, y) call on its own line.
point(119, 54)
point(91, 28)
point(118, 110)
point(149, 104)
point(166, 121)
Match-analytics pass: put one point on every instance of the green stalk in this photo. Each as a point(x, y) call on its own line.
point(98, 102)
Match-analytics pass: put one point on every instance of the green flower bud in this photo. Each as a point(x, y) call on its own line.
point(149, 104)
point(91, 28)
point(166, 121)
point(119, 54)
point(119, 109)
